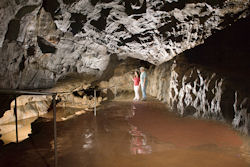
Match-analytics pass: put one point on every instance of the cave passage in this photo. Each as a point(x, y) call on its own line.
point(124, 134)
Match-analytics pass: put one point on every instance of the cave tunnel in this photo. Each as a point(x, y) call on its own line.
point(98, 83)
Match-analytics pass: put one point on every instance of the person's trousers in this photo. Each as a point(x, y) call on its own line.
point(143, 91)
point(136, 89)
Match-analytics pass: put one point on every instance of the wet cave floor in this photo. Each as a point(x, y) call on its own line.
point(134, 134)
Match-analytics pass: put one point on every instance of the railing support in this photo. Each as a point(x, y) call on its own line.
point(54, 118)
point(15, 113)
point(95, 102)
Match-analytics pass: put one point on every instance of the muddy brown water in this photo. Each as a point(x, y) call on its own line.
point(141, 134)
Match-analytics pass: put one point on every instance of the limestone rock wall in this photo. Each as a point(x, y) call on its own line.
point(190, 90)
point(71, 94)
point(44, 40)
point(194, 91)
point(208, 81)
point(27, 106)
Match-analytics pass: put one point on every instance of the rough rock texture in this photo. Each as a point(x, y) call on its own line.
point(44, 40)
point(204, 82)
point(190, 90)
point(195, 91)
point(208, 81)
point(28, 106)
point(121, 77)
point(74, 94)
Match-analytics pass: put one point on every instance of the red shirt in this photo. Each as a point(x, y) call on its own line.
point(136, 81)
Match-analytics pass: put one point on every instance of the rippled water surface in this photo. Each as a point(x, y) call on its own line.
point(141, 134)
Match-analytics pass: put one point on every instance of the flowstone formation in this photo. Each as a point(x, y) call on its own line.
point(194, 91)
point(44, 40)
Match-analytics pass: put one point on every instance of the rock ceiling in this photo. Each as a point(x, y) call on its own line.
point(42, 41)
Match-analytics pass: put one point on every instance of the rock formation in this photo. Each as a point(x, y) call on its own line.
point(207, 81)
point(44, 40)
point(194, 91)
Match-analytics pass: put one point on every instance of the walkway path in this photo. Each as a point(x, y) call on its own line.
point(125, 134)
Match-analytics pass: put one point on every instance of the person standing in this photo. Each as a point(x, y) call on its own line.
point(136, 80)
point(143, 82)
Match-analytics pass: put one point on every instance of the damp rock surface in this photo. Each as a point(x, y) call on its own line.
point(42, 41)
point(27, 106)
point(197, 92)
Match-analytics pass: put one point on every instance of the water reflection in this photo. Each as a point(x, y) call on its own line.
point(245, 149)
point(110, 139)
point(88, 137)
point(138, 142)
point(131, 112)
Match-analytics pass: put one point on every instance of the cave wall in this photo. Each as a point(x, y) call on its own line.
point(79, 99)
point(189, 89)
point(195, 91)
point(73, 92)
point(207, 81)
point(42, 41)
point(27, 107)
point(198, 92)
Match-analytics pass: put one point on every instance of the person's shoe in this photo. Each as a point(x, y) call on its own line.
point(143, 99)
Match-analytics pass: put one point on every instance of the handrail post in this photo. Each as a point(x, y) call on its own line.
point(55, 140)
point(15, 113)
point(95, 102)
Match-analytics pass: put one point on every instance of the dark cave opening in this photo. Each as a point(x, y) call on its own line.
point(45, 46)
point(169, 6)
point(13, 30)
point(14, 24)
point(78, 21)
point(101, 22)
point(129, 10)
point(226, 52)
point(87, 92)
point(68, 2)
point(51, 6)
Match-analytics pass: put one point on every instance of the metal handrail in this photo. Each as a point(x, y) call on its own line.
point(26, 92)
point(53, 94)
point(115, 86)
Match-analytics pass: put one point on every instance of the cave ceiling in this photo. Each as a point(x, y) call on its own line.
point(43, 40)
